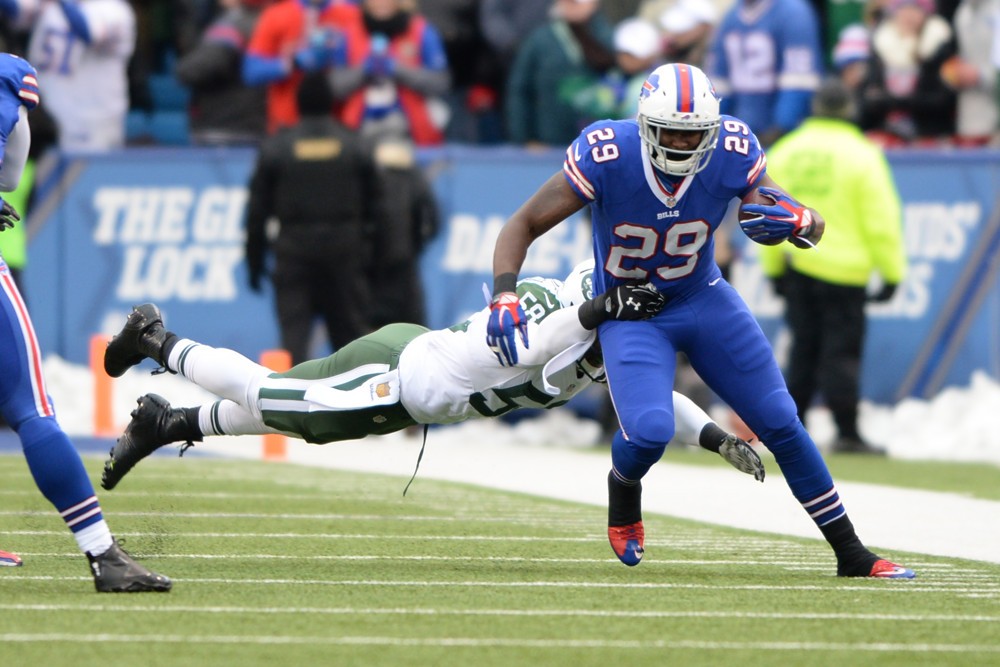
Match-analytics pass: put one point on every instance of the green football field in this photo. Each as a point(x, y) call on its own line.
point(277, 564)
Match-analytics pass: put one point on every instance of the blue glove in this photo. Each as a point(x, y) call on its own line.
point(506, 317)
point(771, 224)
point(380, 65)
point(8, 215)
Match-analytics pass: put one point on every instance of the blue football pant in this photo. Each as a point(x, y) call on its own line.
point(727, 348)
point(26, 407)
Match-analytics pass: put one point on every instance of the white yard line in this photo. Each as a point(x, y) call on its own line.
point(581, 613)
point(886, 518)
point(499, 642)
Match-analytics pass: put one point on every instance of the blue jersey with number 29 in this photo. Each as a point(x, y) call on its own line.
point(646, 225)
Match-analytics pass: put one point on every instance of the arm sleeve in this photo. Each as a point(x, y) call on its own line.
point(263, 62)
point(259, 70)
point(15, 152)
point(208, 63)
point(433, 76)
point(345, 80)
point(791, 107)
point(78, 23)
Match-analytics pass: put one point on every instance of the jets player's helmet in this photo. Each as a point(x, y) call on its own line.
point(579, 284)
point(678, 97)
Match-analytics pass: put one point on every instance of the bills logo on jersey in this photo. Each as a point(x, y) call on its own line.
point(649, 86)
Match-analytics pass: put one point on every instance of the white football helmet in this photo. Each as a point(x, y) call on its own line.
point(678, 97)
point(578, 285)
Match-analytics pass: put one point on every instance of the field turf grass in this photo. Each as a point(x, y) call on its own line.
point(281, 565)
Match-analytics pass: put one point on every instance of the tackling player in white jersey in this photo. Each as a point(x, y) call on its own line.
point(81, 51)
point(399, 376)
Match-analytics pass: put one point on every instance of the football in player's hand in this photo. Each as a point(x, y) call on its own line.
point(755, 196)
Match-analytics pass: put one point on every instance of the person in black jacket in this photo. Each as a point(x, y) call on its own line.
point(224, 110)
point(320, 181)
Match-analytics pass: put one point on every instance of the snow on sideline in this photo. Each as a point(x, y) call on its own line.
point(959, 424)
point(956, 426)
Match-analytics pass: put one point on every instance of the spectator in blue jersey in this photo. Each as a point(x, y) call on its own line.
point(658, 187)
point(766, 60)
point(24, 402)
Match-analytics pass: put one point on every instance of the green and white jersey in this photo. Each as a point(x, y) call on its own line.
point(451, 375)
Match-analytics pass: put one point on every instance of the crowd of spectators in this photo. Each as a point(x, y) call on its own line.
point(529, 72)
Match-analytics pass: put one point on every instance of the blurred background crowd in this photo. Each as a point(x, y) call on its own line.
point(528, 72)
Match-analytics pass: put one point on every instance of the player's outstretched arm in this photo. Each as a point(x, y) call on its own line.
point(631, 301)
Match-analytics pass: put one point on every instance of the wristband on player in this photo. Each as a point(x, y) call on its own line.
point(505, 282)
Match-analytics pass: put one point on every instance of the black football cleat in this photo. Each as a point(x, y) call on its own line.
point(115, 572)
point(142, 336)
point(154, 424)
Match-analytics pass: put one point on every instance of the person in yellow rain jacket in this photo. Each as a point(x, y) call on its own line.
point(828, 163)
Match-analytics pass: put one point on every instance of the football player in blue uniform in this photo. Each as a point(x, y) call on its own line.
point(658, 187)
point(766, 61)
point(24, 402)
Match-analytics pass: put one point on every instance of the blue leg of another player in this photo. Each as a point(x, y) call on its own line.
point(53, 461)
